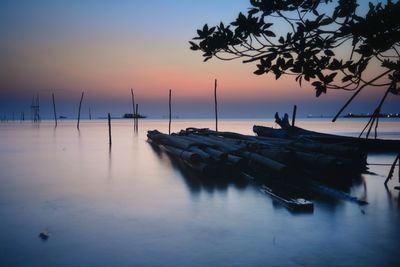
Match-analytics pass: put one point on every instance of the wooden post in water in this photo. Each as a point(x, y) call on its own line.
point(38, 107)
point(170, 111)
point(109, 129)
point(392, 170)
point(54, 109)
point(216, 105)
point(137, 117)
point(133, 108)
point(294, 115)
point(90, 114)
point(79, 111)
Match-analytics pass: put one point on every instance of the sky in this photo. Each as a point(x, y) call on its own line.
point(105, 48)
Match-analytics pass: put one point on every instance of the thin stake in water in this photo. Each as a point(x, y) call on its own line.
point(216, 105)
point(170, 111)
point(137, 117)
point(294, 115)
point(79, 111)
point(109, 128)
point(54, 109)
point(133, 108)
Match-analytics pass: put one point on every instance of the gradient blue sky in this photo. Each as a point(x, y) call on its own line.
point(107, 47)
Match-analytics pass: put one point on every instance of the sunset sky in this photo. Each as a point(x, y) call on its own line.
point(104, 48)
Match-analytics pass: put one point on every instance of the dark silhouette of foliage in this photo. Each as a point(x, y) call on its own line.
point(324, 42)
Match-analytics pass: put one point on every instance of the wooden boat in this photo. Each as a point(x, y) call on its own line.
point(293, 204)
point(294, 132)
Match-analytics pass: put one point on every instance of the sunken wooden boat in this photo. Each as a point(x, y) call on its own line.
point(294, 132)
point(291, 132)
point(293, 204)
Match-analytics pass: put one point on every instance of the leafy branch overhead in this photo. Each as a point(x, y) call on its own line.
point(335, 50)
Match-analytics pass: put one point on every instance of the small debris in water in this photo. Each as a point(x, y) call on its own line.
point(44, 235)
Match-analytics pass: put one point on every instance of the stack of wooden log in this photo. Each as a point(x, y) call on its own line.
point(209, 151)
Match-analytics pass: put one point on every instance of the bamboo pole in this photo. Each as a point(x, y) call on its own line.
point(216, 105)
point(109, 128)
point(79, 111)
point(38, 107)
point(294, 115)
point(392, 170)
point(170, 111)
point(54, 110)
point(133, 107)
point(137, 117)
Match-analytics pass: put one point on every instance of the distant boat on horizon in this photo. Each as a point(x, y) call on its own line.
point(133, 116)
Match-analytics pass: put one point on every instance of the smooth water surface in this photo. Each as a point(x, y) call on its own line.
point(132, 206)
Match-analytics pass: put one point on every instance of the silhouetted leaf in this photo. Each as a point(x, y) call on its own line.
point(269, 33)
point(259, 72)
point(347, 78)
point(329, 53)
point(194, 46)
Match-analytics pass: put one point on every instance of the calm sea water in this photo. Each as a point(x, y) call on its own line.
point(131, 206)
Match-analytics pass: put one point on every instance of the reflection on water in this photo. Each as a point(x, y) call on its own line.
point(132, 205)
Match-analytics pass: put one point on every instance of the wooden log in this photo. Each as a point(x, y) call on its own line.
point(167, 140)
point(235, 160)
point(222, 145)
point(177, 142)
point(265, 162)
point(230, 135)
point(215, 151)
point(183, 154)
point(317, 161)
point(281, 155)
point(194, 141)
point(194, 145)
point(331, 149)
point(216, 154)
point(204, 155)
point(210, 148)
